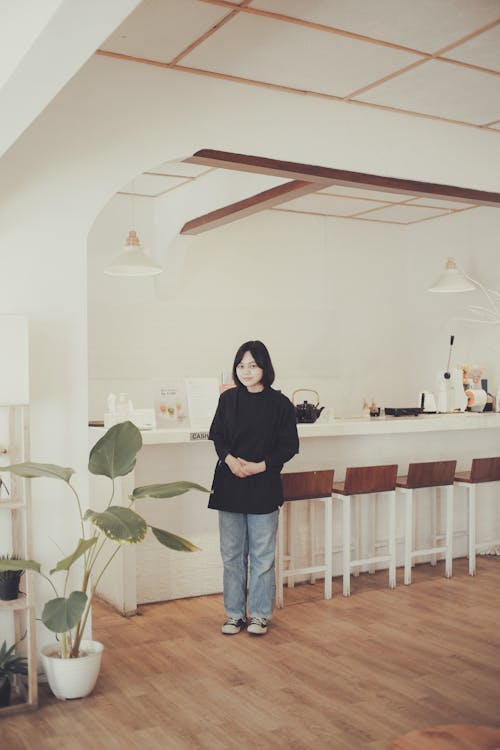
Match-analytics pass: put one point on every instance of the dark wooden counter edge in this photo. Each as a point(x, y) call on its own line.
point(96, 422)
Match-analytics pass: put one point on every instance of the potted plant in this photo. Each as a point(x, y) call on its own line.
point(10, 665)
point(102, 535)
point(9, 580)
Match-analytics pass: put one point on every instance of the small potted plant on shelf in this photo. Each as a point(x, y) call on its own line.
point(9, 580)
point(10, 665)
point(72, 665)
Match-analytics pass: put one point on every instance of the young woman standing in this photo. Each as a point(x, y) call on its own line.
point(254, 431)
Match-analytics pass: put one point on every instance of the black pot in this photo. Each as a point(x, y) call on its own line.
point(5, 692)
point(306, 412)
point(9, 588)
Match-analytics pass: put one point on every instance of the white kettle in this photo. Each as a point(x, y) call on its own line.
point(427, 402)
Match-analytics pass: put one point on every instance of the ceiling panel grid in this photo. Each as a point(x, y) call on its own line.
point(427, 59)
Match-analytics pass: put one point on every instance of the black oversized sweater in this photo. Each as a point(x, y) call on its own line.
point(257, 427)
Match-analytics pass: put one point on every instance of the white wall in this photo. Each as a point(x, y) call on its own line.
point(343, 308)
point(341, 304)
point(42, 45)
point(90, 141)
point(21, 24)
point(472, 238)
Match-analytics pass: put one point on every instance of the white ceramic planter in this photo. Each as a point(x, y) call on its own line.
point(72, 678)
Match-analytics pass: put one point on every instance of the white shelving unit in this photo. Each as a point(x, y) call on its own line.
point(15, 512)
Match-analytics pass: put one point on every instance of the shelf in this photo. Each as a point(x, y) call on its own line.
point(10, 605)
point(16, 708)
point(20, 611)
point(12, 504)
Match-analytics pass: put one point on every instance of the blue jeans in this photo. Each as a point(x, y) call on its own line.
point(247, 545)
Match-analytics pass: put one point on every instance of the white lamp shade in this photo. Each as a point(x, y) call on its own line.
point(452, 280)
point(133, 261)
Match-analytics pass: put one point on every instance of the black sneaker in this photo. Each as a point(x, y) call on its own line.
point(258, 626)
point(233, 625)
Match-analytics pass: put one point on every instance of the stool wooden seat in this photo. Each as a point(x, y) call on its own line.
point(311, 486)
point(450, 737)
point(367, 480)
point(482, 470)
point(436, 475)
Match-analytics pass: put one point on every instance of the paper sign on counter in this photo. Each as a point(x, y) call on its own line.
point(203, 397)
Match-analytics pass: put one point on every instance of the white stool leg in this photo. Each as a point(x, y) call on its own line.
point(415, 522)
point(372, 501)
point(433, 524)
point(279, 560)
point(292, 545)
point(408, 535)
point(312, 536)
point(346, 544)
point(328, 547)
point(449, 531)
point(472, 528)
point(356, 524)
point(392, 539)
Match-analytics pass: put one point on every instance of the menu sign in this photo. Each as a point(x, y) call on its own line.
point(170, 402)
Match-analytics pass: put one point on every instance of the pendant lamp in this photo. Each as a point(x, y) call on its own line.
point(452, 280)
point(133, 261)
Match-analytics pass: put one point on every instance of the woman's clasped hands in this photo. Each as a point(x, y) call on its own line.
point(241, 468)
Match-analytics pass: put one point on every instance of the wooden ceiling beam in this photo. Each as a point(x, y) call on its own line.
point(323, 176)
point(248, 206)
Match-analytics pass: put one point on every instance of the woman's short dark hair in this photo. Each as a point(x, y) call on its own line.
point(261, 356)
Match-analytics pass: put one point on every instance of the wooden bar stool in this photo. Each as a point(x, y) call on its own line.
point(367, 480)
point(482, 470)
point(310, 486)
point(436, 475)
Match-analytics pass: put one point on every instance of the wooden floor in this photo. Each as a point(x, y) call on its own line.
point(347, 674)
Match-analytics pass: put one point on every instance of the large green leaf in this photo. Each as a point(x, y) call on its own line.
point(19, 565)
point(120, 524)
point(172, 541)
point(172, 489)
point(31, 470)
point(115, 453)
point(83, 546)
point(61, 614)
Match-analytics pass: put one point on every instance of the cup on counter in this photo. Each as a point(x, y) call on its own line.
point(476, 399)
point(327, 415)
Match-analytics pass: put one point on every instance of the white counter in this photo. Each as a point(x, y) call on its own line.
point(149, 572)
point(349, 426)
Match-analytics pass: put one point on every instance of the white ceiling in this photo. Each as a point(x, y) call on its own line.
point(438, 59)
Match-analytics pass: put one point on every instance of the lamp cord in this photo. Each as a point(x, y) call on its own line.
point(133, 204)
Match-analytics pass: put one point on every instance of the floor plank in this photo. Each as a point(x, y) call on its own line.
point(347, 674)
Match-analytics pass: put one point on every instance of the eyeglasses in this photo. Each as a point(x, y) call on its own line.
point(251, 366)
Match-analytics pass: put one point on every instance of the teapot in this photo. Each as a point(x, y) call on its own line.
point(307, 412)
